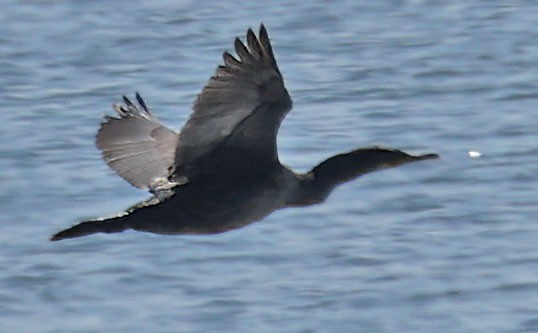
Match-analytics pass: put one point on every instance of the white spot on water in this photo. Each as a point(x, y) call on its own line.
point(474, 154)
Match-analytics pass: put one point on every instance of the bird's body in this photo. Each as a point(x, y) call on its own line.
point(237, 202)
point(222, 171)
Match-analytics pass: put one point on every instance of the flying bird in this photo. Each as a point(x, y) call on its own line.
point(222, 170)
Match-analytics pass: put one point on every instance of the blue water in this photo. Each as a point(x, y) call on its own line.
point(440, 246)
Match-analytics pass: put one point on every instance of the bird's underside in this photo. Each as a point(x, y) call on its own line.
point(221, 171)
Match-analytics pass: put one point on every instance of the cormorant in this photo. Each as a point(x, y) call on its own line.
point(222, 171)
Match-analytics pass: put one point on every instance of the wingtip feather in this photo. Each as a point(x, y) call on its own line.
point(141, 102)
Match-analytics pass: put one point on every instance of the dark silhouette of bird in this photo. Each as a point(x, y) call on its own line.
point(221, 171)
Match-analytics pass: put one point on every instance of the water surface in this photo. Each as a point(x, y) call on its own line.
point(448, 245)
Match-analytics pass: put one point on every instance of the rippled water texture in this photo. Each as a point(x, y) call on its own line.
point(440, 246)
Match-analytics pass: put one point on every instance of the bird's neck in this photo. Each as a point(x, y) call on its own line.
point(316, 185)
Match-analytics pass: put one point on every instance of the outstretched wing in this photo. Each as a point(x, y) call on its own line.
point(137, 146)
point(240, 89)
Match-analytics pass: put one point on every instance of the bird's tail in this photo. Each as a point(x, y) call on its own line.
point(111, 225)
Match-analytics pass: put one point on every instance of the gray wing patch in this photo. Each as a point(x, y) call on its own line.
point(138, 147)
point(250, 82)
